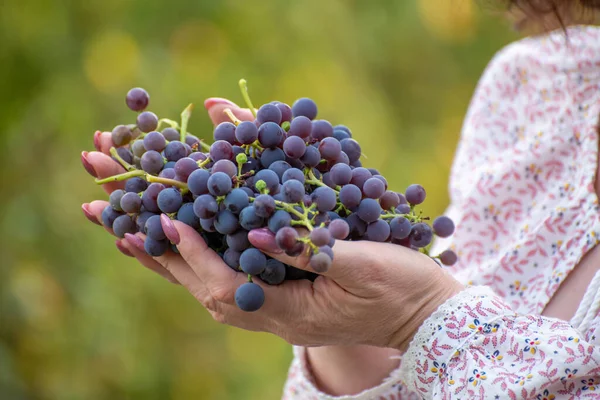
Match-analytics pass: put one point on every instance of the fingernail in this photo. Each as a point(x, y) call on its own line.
point(91, 217)
point(135, 242)
point(169, 229)
point(213, 101)
point(264, 239)
point(97, 143)
point(123, 249)
point(86, 164)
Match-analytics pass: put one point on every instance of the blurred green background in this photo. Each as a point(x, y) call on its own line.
point(80, 321)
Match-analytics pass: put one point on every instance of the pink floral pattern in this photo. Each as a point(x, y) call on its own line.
point(523, 199)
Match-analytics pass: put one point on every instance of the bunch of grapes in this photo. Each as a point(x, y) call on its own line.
point(283, 171)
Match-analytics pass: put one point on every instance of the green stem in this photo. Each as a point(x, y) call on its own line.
point(412, 218)
point(244, 88)
point(125, 164)
point(249, 278)
point(185, 117)
point(120, 177)
point(167, 121)
point(202, 164)
point(165, 181)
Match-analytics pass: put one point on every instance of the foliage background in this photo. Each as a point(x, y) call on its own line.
point(80, 321)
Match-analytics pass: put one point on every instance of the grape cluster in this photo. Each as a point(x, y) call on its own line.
point(284, 170)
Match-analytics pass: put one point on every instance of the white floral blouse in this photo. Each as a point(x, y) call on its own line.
point(523, 198)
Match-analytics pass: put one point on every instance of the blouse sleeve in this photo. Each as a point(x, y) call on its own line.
point(476, 346)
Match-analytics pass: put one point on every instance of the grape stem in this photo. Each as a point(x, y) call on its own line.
point(235, 120)
point(312, 180)
point(167, 121)
point(249, 278)
point(125, 164)
point(202, 164)
point(120, 177)
point(185, 117)
point(244, 88)
point(412, 218)
point(142, 174)
point(166, 181)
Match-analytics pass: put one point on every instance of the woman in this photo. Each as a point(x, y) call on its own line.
point(525, 199)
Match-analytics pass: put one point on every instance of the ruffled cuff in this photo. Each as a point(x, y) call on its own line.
point(473, 311)
point(301, 384)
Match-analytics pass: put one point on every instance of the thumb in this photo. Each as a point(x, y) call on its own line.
point(216, 107)
point(349, 257)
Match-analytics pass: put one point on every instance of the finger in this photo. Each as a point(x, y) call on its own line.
point(104, 142)
point(220, 280)
point(216, 110)
point(93, 212)
point(101, 166)
point(135, 245)
point(348, 255)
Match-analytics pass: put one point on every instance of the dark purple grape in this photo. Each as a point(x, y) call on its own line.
point(264, 205)
point(279, 220)
point(279, 167)
point(147, 121)
point(352, 149)
point(378, 231)
point(219, 184)
point(293, 191)
point(186, 215)
point(238, 240)
point(115, 199)
point(136, 185)
point(330, 148)
point(403, 209)
point(109, 215)
point(152, 162)
point(191, 140)
point(198, 182)
point(320, 262)
point(286, 111)
point(400, 228)
point(169, 200)
point(339, 229)
point(350, 196)
point(270, 134)
point(373, 188)
point(171, 134)
point(121, 135)
point(311, 157)
point(325, 198)
point(125, 154)
point(253, 261)
point(369, 210)
point(358, 227)
point(236, 201)
point(156, 248)
point(420, 235)
point(232, 258)
point(443, 226)
point(320, 236)
point(249, 297)
point(137, 99)
point(342, 159)
point(207, 224)
point(360, 176)
point(448, 258)
point(301, 127)
point(270, 178)
point(293, 173)
point(268, 113)
point(225, 166)
point(221, 150)
point(389, 200)
point(198, 156)
point(226, 222)
point(269, 156)
point(341, 174)
point(250, 220)
point(305, 107)
point(153, 228)
point(274, 273)
point(246, 132)
point(415, 194)
point(321, 129)
point(286, 238)
point(141, 220)
point(340, 134)
point(175, 151)
point(122, 225)
point(205, 206)
point(131, 203)
point(381, 178)
point(294, 147)
point(137, 148)
point(184, 168)
point(225, 131)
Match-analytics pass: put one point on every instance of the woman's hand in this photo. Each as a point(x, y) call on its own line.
point(375, 293)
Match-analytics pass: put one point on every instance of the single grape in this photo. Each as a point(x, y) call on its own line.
point(171, 134)
point(153, 228)
point(373, 188)
point(264, 205)
point(320, 262)
point(301, 127)
point(225, 166)
point(115, 199)
point(131, 202)
point(320, 236)
point(221, 150)
point(311, 157)
point(270, 156)
point(352, 149)
point(147, 121)
point(198, 182)
point(358, 227)
point(169, 200)
point(198, 156)
point(381, 178)
point(121, 135)
point(219, 184)
point(279, 167)
point(250, 220)
point(340, 134)
point(205, 206)
point(327, 250)
point(294, 147)
point(415, 194)
point(305, 107)
point(175, 151)
point(342, 159)
point(141, 220)
point(293, 191)
point(207, 224)
point(236, 201)
point(125, 154)
point(136, 185)
point(286, 111)
point(378, 231)
point(420, 235)
point(330, 148)
point(238, 240)
point(339, 228)
point(286, 238)
point(270, 178)
point(321, 129)
point(369, 210)
point(279, 220)
point(137, 99)
point(246, 132)
point(350, 196)
point(192, 140)
point(156, 248)
point(232, 258)
point(268, 113)
point(226, 222)
point(109, 215)
point(274, 273)
point(360, 176)
point(400, 228)
point(152, 162)
point(356, 164)
point(249, 297)
point(186, 215)
point(389, 200)
point(341, 174)
point(184, 168)
point(138, 148)
point(225, 131)
point(403, 209)
point(325, 198)
point(270, 134)
point(253, 261)
point(448, 257)
point(443, 226)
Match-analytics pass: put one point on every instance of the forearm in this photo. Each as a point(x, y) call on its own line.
point(348, 370)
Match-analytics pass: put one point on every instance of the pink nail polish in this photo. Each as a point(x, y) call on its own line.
point(87, 165)
point(123, 249)
point(135, 242)
point(264, 239)
point(169, 229)
point(91, 217)
point(97, 143)
point(213, 101)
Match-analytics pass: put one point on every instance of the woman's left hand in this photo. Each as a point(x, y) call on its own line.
point(374, 293)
